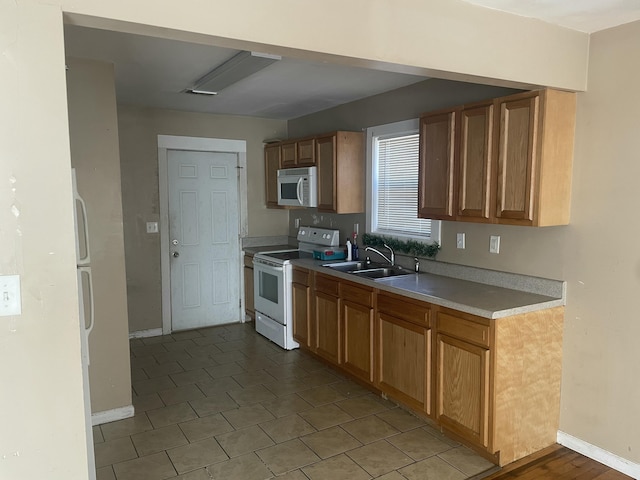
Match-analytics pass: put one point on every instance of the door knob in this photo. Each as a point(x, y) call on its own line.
point(176, 254)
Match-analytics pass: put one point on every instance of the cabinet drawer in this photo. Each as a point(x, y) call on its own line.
point(463, 329)
point(248, 261)
point(326, 284)
point(356, 294)
point(301, 275)
point(405, 309)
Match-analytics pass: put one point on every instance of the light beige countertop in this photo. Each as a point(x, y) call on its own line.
point(481, 299)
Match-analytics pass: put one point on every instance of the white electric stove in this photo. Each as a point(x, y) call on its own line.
point(272, 279)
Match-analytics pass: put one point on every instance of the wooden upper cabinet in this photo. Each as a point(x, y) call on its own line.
point(517, 158)
point(341, 171)
point(507, 160)
point(272, 159)
point(534, 156)
point(474, 173)
point(289, 155)
point(436, 187)
point(306, 152)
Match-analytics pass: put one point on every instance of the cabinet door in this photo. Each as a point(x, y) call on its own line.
point(462, 403)
point(474, 177)
point(289, 155)
point(248, 292)
point(306, 152)
point(437, 164)
point(271, 167)
point(326, 160)
point(516, 159)
point(404, 361)
point(328, 327)
point(301, 314)
point(358, 339)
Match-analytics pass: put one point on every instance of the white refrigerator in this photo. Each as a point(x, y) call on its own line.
point(85, 298)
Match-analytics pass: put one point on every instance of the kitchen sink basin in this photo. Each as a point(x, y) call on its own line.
point(347, 266)
point(384, 272)
point(371, 270)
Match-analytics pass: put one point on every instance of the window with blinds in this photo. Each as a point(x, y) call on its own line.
point(395, 201)
point(392, 183)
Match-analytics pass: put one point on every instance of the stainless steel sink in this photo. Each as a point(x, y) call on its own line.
point(384, 272)
point(371, 270)
point(346, 266)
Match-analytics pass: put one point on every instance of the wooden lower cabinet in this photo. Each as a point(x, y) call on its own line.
point(404, 366)
point(357, 321)
point(404, 351)
point(248, 286)
point(498, 381)
point(328, 322)
point(301, 303)
point(493, 384)
point(462, 404)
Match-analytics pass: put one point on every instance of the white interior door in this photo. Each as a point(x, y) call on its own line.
point(204, 238)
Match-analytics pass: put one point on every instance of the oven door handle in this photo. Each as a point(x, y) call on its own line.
point(264, 266)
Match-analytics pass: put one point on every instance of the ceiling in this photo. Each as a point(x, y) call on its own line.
point(155, 72)
point(583, 15)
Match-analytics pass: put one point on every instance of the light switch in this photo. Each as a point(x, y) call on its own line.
point(460, 240)
point(494, 244)
point(152, 227)
point(10, 301)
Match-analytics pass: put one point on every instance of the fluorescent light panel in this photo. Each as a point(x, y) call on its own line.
point(240, 66)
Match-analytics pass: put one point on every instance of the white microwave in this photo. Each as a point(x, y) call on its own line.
point(298, 187)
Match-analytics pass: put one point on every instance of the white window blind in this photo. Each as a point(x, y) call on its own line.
point(396, 167)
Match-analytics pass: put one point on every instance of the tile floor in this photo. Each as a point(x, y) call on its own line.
point(225, 403)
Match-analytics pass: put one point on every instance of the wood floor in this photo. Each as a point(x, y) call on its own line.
point(557, 463)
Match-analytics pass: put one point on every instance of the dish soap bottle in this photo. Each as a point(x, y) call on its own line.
point(355, 255)
point(348, 250)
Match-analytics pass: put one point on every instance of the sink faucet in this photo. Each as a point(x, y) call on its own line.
point(391, 259)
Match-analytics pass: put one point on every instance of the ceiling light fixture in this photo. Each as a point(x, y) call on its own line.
point(238, 67)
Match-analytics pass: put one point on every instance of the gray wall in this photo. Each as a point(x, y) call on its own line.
point(94, 154)
point(139, 128)
point(523, 250)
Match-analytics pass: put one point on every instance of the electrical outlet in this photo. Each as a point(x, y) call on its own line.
point(494, 244)
point(152, 227)
point(356, 228)
point(460, 241)
point(10, 301)
point(296, 222)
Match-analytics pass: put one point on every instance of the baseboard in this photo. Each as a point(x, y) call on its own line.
point(112, 415)
point(599, 455)
point(153, 332)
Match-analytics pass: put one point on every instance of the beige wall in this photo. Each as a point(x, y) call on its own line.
point(94, 154)
point(139, 128)
point(600, 389)
point(41, 402)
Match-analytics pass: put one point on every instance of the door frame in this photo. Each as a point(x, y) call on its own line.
point(197, 144)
